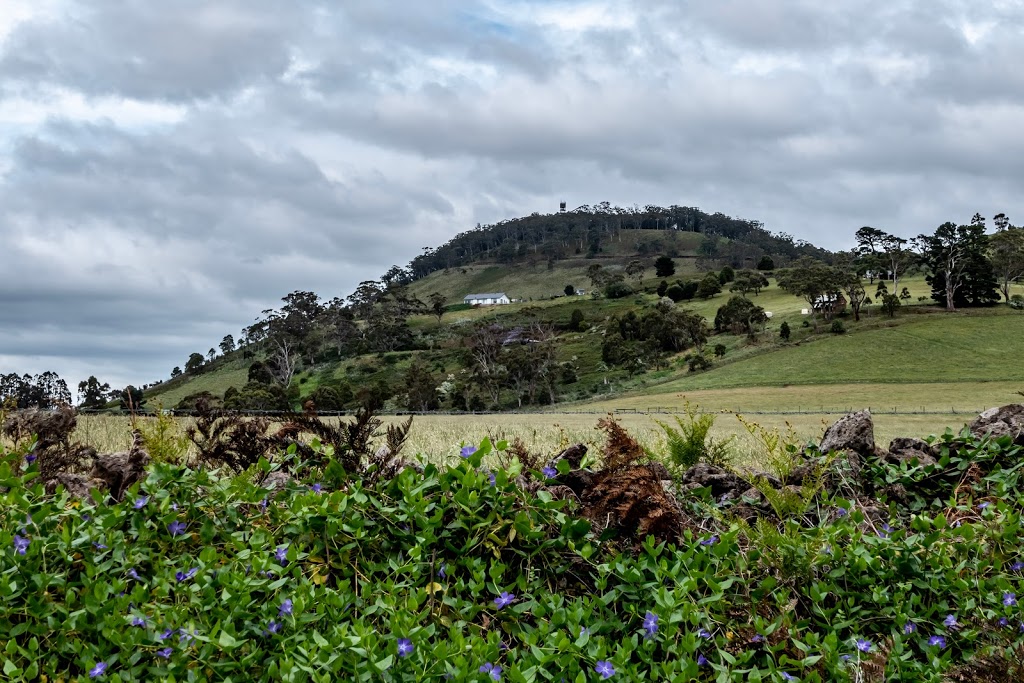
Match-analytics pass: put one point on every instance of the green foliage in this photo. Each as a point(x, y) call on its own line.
point(720, 350)
point(837, 327)
point(162, 437)
point(778, 449)
point(617, 290)
point(692, 442)
point(321, 585)
point(766, 263)
point(709, 286)
point(784, 332)
point(698, 362)
point(726, 275)
point(664, 267)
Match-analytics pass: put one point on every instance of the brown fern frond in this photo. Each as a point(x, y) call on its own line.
point(620, 449)
point(397, 435)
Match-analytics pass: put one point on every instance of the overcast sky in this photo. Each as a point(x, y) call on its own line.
point(170, 169)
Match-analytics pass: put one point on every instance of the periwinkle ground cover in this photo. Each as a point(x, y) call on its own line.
point(446, 575)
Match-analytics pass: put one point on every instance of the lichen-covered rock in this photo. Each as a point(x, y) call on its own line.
point(118, 471)
point(997, 422)
point(903, 449)
point(77, 485)
point(721, 482)
point(573, 455)
point(854, 432)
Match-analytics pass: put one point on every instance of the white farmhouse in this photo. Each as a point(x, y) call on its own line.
point(486, 299)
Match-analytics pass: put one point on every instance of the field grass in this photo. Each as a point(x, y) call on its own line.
point(437, 438)
point(945, 348)
point(216, 380)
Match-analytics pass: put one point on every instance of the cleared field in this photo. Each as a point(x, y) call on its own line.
point(954, 348)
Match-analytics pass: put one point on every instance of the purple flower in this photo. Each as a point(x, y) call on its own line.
point(842, 512)
point(405, 647)
point(184, 638)
point(549, 472)
point(844, 658)
point(442, 572)
point(492, 670)
point(937, 641)
point(1009, 599)
point(285, 608)
point(504, 600)
point(710, 541)
point(863, 645)
point(1017, 566)
point(174, 506)
point(1004, 622)
point(704, 633)
point(140, 502)
point(139, 621)
point(909, 627)
point(702, 660)
point(264, 503)
point(492, 478)
point(20, 544)
point(1022, 627)
point(982, 506)
point(273, 627)
point(98, 546)
point(184, 576)
point(98, 670)
point(176, 528)
point(950, 621)
point(467, 451)
point(757, 638)
point(787, 677)
point(30, 458)
point(650, 624)
point(165, 653)
point(134, 574)
point(584, 631)
point(166, 634)
point(281, 554)
point(604, 669)
point(886, 530)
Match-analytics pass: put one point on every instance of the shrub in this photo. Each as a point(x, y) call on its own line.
point(617, 290)
point(692, 441)
point(162, 438)
point(784, 332)
point(676, 293)
point(719, 350)
point(837, 327)
point(698, 362)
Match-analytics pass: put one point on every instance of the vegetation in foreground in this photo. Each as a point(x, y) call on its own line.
point(488, 570)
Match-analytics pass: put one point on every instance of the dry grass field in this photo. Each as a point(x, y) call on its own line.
point(438, 437)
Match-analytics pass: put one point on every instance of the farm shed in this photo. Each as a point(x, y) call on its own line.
point(487, 299)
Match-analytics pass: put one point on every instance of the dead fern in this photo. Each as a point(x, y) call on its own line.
point(227, 439)
point(620, 449)
point(54, 449)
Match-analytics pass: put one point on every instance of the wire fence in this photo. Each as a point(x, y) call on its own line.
point(651, 410)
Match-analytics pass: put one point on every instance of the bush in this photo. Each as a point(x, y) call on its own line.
point(662, 288)
point(784, 332)
point(719, 350)
point(698, 362)
point(676, 293)
point(1017, 302)
point(617, 290)
point(692, 443)
point(837, 327)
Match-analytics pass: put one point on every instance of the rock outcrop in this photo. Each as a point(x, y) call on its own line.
point(998, 422)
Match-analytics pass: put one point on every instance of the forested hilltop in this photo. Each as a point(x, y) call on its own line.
point(590, 230)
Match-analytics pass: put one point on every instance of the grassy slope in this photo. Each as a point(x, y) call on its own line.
point(525, 281)
point(233, 373)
